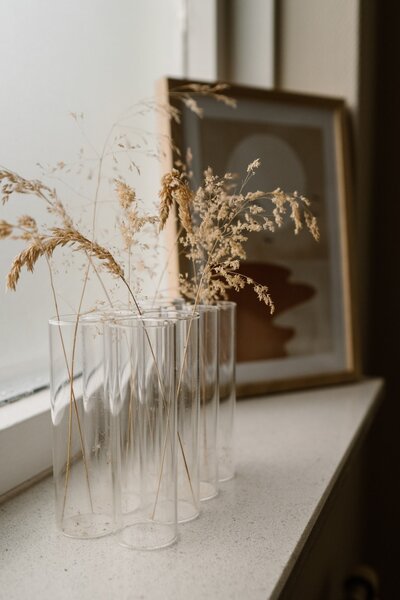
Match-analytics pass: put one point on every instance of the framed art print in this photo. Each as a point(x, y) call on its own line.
point(301, 141)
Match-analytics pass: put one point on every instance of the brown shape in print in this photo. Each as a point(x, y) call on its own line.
point(258, 336)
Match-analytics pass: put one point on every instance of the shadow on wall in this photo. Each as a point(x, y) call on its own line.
point(262, 337)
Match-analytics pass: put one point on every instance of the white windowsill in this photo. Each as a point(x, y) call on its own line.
point(25, 440)
point(292, 449)
point(25, 408)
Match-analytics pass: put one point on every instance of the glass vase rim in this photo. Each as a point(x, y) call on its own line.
point(71, 318)
point(226, 303)
point(157, 301)
point(94, 318)
point(181, 315)
point(211, 307)
point(135, 321)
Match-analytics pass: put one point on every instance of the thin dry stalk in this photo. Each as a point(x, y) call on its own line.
point(72, 400)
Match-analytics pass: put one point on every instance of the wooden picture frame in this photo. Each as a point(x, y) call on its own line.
point(301, 140)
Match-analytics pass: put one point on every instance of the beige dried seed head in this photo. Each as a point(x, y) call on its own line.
point(6, 229)
point(45, 246)
point(175, 188)
point(27, 222)
point(126, 194)
point(253, 166)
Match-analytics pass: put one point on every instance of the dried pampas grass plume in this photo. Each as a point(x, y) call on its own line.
point(175, 188)
point(46, 245)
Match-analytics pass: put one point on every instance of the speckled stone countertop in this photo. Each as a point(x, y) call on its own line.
point(290, 451)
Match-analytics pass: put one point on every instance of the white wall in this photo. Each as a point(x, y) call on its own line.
point(97, 57)
point(319, 47)
point(251, 35)
point(327, 47)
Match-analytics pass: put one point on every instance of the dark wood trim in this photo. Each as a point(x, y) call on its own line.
point(240, 91)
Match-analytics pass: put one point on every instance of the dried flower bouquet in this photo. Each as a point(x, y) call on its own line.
point(216, 220)
point(214, 223)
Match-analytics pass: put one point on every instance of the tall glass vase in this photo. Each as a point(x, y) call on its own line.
point(81, 418)
point(209, 400)
point(186, 322)
point(188, 399)
point(142, 378)
point(227, 389)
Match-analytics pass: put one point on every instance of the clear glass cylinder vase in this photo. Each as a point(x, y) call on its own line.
point(227, 389)
point(81, 419)
point(186, 322)
point(188, 401)
point(209, 400)
point(142, 376)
